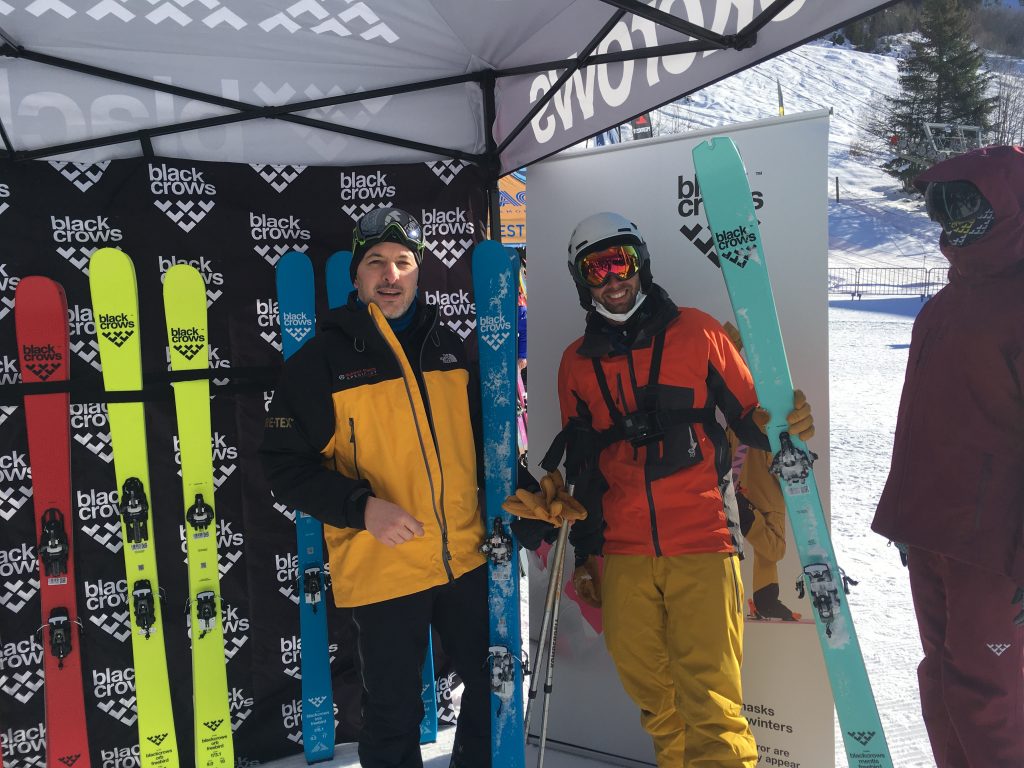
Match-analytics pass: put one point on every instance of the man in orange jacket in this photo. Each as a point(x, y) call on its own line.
point(649, 378)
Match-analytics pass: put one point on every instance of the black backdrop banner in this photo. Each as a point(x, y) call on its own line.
point(233, 222)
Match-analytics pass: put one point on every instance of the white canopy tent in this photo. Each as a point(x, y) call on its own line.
point(501, 83)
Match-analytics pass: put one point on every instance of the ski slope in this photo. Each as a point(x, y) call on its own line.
point(872, 224)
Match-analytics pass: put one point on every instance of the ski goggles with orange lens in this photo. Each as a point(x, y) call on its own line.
point(620, 261)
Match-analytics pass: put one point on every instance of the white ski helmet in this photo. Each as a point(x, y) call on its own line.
point(601, 231)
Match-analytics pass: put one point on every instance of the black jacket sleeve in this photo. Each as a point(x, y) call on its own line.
point(298, 429)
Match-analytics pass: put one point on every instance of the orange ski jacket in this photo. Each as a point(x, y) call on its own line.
point(662, 498)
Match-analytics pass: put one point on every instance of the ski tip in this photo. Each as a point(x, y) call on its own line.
point(183, 277)
point(110, 257)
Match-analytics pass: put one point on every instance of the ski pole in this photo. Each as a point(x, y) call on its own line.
point(550, 675)
point(545, 626)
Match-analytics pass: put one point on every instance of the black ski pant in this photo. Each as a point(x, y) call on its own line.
point(392, 646)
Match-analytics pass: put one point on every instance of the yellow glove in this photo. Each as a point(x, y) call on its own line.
point(800, 419)
point(552, 504)
point(586, 580)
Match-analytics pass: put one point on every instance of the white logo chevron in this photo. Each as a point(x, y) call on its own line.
point(998, 648)
point(106, 533)
point(446, 170)
point(183, 213)
point(22, 686)
point(4, 207)
point(462, 327)
point(122, 709)
point(13, 499)
point(97, 443)
point(116, 623)
point(16, 593)
point(79, 262)
point(82, 175)
point(88, 350)
point(273, 253)
point(39, 7)
point(278, 176)
point(449, 251)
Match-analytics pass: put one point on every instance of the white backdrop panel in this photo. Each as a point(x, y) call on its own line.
point(652, 182)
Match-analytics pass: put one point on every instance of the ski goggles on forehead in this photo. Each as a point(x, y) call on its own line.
point(960, 209)
point(597, 268)
point(388, 224)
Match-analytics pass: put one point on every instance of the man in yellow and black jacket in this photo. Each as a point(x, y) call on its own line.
point(373, 430)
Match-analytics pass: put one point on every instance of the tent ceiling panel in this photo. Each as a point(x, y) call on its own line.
point(238, 62)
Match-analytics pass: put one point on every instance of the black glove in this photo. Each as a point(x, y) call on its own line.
point(1018, 599)
point(532, 533)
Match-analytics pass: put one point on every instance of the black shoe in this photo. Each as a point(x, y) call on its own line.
point(768, 606)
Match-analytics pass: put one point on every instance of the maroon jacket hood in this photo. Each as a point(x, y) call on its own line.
point(998, 172)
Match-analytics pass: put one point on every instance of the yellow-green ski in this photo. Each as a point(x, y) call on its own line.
point(115, 306)
point(185, 311)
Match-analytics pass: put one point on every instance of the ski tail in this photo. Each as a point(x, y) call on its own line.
point(296, 301)
point(185, 304)
point(339, 286)
point(737, 238)
point(41, 326)
point(495, 277)
point(115, 305)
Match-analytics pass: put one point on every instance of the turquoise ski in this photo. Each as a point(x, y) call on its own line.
point(296, 307)
point(188, 344)
point(495, 278)
point(737, 237)
point(339, 286)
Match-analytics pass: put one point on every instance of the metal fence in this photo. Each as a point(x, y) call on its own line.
point(887, 281)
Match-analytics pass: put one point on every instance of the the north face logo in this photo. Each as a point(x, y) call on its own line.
point(449, 359)
point(213, 725)
point(158, 739)
point(999, 648)
point(862, 737)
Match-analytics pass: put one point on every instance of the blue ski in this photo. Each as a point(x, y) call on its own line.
point(339, 286)
point(495, 277)
point(297, 313)
point(737, 238)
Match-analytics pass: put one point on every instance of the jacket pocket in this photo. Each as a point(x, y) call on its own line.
point(355, 447)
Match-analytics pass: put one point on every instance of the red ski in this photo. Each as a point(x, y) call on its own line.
point(41, 324)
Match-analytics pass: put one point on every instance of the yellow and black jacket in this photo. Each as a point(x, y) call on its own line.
point(360, 410)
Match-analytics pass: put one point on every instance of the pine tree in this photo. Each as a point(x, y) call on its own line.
point(942, 80)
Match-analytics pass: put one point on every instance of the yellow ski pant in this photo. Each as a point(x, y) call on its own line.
point(674, 628)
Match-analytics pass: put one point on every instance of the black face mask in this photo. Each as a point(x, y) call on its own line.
point(960, 209)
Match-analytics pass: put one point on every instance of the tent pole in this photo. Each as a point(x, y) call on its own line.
point(492, 162)
point(557, 86)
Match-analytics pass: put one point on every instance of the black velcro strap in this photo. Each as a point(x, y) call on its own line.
point(155, 387)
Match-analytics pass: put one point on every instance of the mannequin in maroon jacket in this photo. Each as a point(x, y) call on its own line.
point(955, 492)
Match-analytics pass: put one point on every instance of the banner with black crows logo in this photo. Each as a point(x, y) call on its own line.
point(233, 222)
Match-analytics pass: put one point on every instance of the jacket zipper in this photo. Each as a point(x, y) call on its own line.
point(655, 541)
point(441, 522)
point(355, 452)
